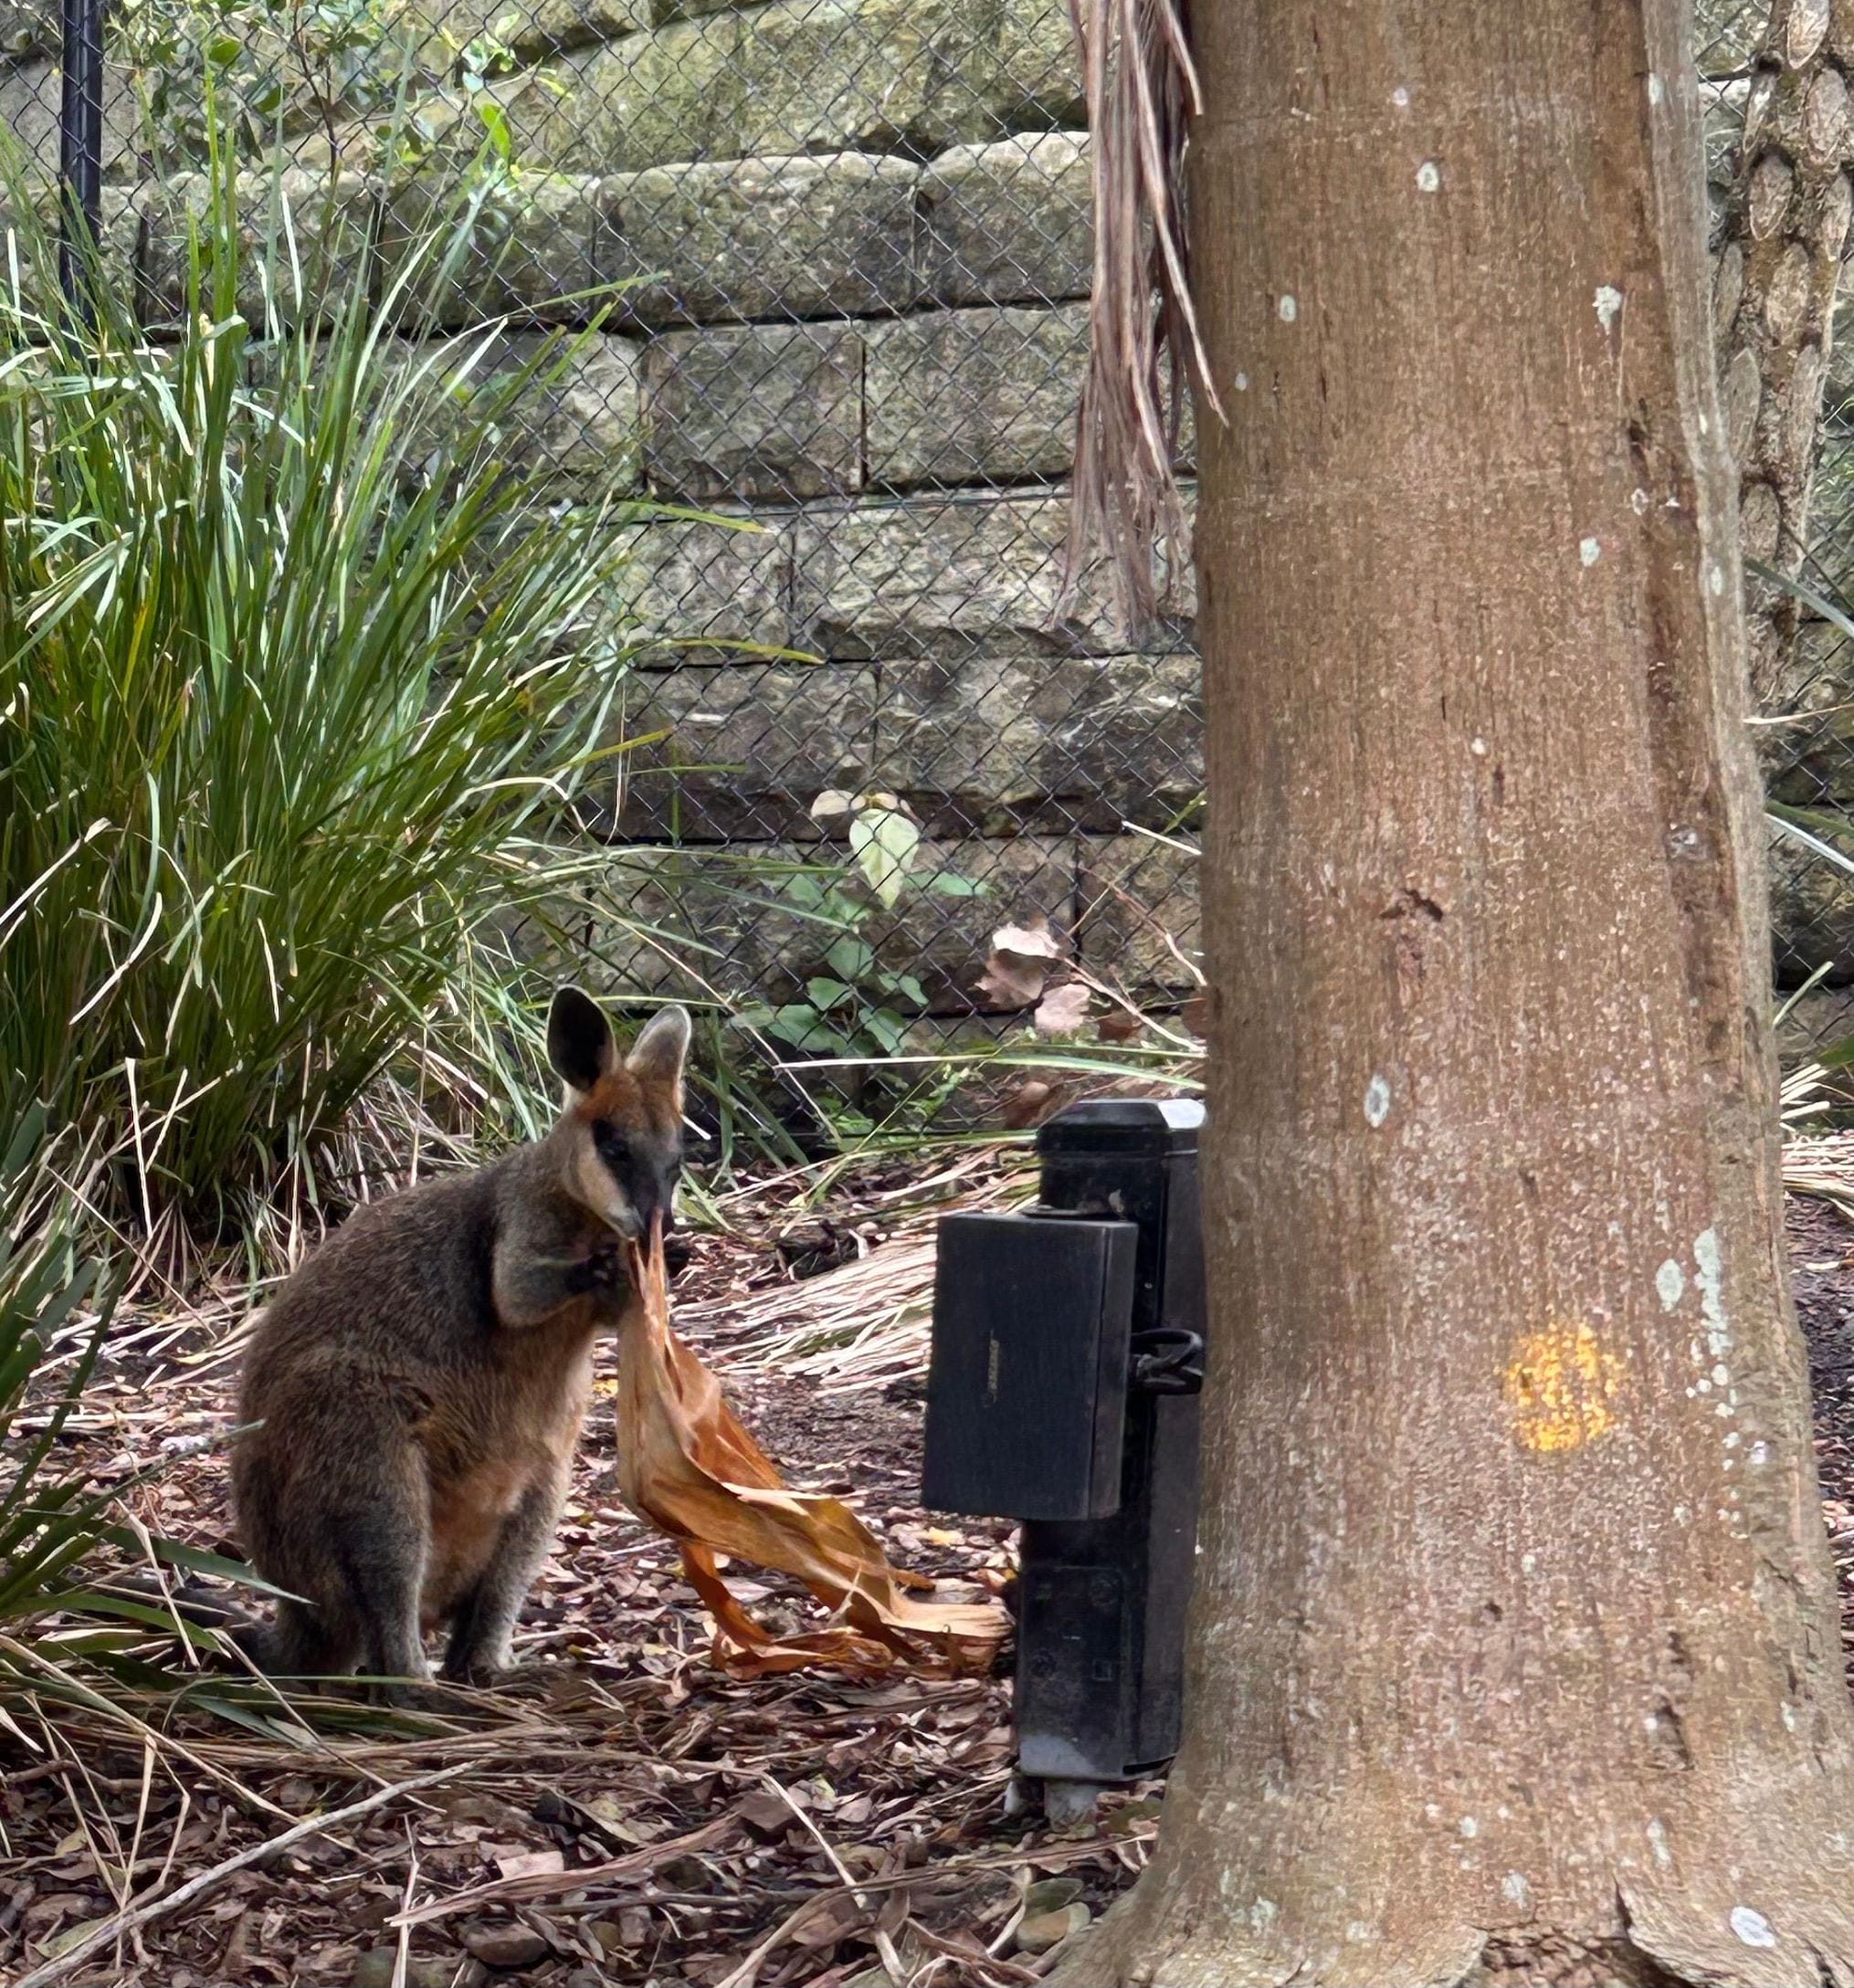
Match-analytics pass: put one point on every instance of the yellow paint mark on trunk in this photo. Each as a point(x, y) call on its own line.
point(1560, 1388)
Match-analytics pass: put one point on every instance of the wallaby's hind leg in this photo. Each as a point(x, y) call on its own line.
point(340, 1516)
point(383, 1555)
point(301, 1642)
point(485, 1618)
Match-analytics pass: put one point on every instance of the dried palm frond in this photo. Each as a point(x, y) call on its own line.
point(1821, 1167)
point(1803, 1095)
point(1820, 1164)
point(688, 1467)
point(1143, 331)
point(854, 1328)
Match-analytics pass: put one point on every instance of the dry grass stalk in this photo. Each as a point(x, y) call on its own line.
point(131, 1919)
point(857, 1327)
point(1817, 1164)
point(1822, 1168)
point(866, 1323)
point(1143, 331)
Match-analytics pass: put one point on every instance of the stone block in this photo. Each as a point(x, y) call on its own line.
point(1838, 387)
point(672, 94)
point(1725, 33)
point(792, 238)
point(979, 397)
point(863, 75)
point(30, 93)
point(32, 236)
point(573, 419)
point(705, 922)
point(577, 417)
point(749, 747)
point(28, 29)
point(784, 77)
point(1811, 909)
point(956, 576)
point(691, 582)
point(1807, 758)
point(1138, 915)
point(1821, 1019)
point(1010, 222)
point(522, 250)
point(557, 27)
point(1037, 82)
point(1020, 878)
point(662, 12)
point(767, 411)
point(733, 921)
point(330, 221)
point(989, 745)
point(424, 42)
point(972, 396)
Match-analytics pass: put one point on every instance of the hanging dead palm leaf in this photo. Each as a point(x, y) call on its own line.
point(1142, 90)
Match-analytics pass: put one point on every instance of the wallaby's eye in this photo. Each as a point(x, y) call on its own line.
point(611, 1143)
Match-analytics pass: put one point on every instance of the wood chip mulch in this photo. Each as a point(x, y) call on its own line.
point(619, 1812)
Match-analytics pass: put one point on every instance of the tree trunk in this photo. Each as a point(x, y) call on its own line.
point(1514, 1653)
point(1773, 305)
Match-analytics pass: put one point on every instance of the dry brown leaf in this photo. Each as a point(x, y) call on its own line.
point(1062, 1010)
point(1033, 941)
point(825, 1922)
point(1020, 962)
point(1027, 1103)
point(687, 1468)
point(513, 1863)
point(1009, 983)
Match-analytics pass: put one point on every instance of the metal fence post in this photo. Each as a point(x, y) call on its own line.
point(80, 148)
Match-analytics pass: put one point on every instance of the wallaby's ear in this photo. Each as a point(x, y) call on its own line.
point(579, 1039)
point(661, 1044)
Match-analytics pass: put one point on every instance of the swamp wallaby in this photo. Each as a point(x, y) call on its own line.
point(421, 1379)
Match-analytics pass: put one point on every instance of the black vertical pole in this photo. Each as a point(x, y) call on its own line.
point(80, 149)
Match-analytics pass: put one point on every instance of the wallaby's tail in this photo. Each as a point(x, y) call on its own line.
point(198, 1607)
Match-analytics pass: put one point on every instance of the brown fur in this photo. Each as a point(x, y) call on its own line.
point(421, 1379)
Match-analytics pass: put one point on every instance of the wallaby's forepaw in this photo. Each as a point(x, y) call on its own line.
point(602, 1271)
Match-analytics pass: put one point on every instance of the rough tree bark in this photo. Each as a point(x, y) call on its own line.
point(1514, 1656)
point(1774, 303)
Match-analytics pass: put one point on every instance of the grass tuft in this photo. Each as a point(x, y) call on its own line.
point(301, 662)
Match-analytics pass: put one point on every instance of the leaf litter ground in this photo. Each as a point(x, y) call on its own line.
point(621, 1812)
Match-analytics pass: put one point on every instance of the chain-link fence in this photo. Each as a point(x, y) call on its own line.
point(858, 237)
point(1804, 739)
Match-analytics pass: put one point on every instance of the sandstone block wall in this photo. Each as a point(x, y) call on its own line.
point(857, 241)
